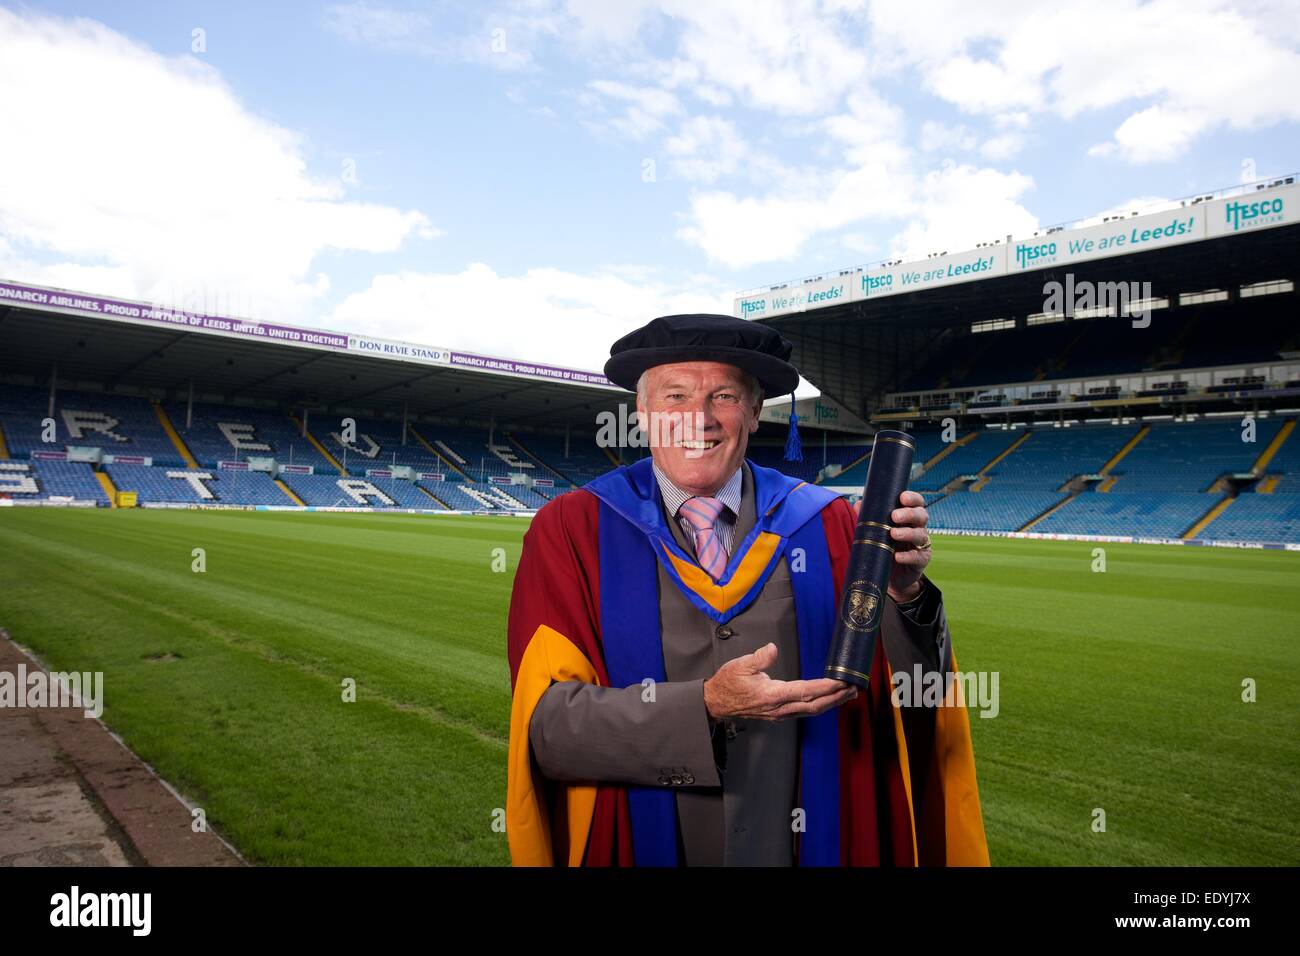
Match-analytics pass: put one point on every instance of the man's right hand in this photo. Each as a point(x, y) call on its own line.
point(741, 688)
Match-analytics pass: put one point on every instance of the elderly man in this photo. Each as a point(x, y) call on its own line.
point(668, 633)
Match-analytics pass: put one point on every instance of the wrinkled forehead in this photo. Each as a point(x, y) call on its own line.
point(696, 375)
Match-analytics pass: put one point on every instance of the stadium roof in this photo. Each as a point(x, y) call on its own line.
point(86, 343)
point(859, 334)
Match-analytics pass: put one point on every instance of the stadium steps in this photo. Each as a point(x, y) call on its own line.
point(428, 446)
point(981, 476)
point(853, 464)
point(297, 423)
point(1052, 510)
point(179, 443)
point(290, 492)
point(1219, 508)
point(1116, 458)
point(1267, 484)
point(110, 489)
point(947, 450)
point(1267, 454)
point(4, 448)
point(611, 456)
point(434, 497)
point(538, 458)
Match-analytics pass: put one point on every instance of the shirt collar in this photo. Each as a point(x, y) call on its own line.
point(674, 497)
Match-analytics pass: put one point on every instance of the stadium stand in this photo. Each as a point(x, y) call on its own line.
point(1164, 477)
point(1167, 514)
point(965, 459)
point(197, 486)
point(352, 491)
point(846, 455)
point(118, 424)
point(1258, 517)
point(1050, 457)
point(481, 459)
point(1202, 336)
point(980, 511)
point(584, 462)
point(50, 479)
point(377, 444)
point(1190, 456)
point(231, 433)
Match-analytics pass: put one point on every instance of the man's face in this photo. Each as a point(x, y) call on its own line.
point(699, 418)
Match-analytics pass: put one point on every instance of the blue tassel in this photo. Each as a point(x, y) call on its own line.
point(793, 449)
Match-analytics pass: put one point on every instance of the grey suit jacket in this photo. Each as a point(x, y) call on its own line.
point(736, 780)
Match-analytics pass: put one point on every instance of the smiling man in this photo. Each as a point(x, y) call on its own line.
point(669, 627)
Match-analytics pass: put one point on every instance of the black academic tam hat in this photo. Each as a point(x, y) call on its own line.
point(758, 349)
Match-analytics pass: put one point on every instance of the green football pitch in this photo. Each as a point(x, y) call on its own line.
point(1118, 690)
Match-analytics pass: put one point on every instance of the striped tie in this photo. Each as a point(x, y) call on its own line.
point(702, 514)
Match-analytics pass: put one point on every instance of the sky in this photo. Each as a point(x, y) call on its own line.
point(532, 180)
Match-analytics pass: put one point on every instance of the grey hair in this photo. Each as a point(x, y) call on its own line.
point(754, 386)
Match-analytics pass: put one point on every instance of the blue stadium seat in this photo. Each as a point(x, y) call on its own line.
point(1189, 456)
point(197, 486)
point(1252, 517)
point(1052, 456)
point(965, 459)
point(990, 510)
point(35, 480)
point(117, 424)
point(1161, 514)
point(353, 491)
point(230, 433)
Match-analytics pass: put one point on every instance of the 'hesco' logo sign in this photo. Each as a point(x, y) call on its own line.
point(749, 307)
point(1028, 254)
point(877, 284)
point(1245, 215)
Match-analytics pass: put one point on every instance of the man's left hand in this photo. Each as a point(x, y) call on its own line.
point(912, 544)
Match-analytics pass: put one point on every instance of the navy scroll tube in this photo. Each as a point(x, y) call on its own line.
point(866, 582)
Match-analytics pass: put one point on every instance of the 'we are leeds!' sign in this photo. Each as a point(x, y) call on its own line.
point(1260, 209)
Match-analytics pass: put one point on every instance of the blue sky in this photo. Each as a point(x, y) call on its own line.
point(534, 179)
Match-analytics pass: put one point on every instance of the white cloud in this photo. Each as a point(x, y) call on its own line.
point(647, 107)
point(958, 207)
point(1154, 134)
point(787, 57)
point(1002, 147)
point(128, 172)
point(945, 137)
point(876, 183)
point(378, 26)
point(1184, 67)
point(705, 148)
point(544, 315)
point(503, 42)
point(795, 58)
point(951, 208)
